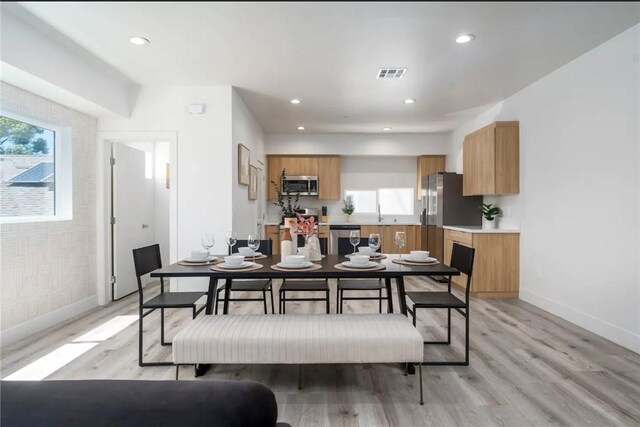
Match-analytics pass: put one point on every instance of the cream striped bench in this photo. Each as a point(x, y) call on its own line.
point(299, 340)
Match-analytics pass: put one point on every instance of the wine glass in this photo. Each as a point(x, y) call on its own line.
point(374, 243)
point(207, 242)
point(231, 240)
point(354, 239)
point(253, 242)
point(401, 241)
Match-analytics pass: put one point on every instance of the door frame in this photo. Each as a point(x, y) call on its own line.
point(103, 200)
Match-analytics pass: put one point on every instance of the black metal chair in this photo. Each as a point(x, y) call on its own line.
point(461, 260)
point(321, 285)
point(263, 286)
point(146, 260)
point(360, 285)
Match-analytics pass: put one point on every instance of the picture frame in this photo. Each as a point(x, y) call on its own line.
point(244, 163)
point(254, 180)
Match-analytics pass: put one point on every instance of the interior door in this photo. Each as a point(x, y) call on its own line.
point(130, 229)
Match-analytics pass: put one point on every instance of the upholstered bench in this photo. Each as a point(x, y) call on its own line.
point(299, 340)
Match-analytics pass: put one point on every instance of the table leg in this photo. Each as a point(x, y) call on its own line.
point(211, 294)
point(227, 293)
point(387, 283)
point(401, 295)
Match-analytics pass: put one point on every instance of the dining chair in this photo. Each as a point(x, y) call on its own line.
point(146, 260)
point(360, 285)
point(263, 286)
point(316, 285)
point(462, 260)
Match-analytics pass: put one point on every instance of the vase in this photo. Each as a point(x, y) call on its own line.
point(290, 222)
point(313, 244)
point(489, 225)
point(348, 217)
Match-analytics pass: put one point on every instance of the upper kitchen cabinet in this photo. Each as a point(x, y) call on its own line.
point(326, 168)
point(426, 166)
point(491, 160)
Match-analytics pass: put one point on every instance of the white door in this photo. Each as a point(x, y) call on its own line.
point(130, 230)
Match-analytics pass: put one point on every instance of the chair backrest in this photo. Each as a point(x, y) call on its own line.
point(146, 260)
point(265, 246)
point(462, 260)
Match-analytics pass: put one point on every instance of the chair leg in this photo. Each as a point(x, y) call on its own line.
point(327, 298)
point(338, 298)
point(380, 301)
point(273, 307)
point(283, 300)
point(448, 326)
point(162, 328)
point(420, 379)
point(299, 377)
point(177, 371)
point(140, 327)
point(413, 315)
point(264, 300)
point(341, 300)
point(217, 301)
point(466, 344)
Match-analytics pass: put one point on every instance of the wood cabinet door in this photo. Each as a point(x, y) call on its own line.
point(299, 165)
point(273, 232)
point(426, 166)
point(291, 165)
point(329, 178)
point(274, 170)
point(389, 239)
point(507, 146)
point(479, 163)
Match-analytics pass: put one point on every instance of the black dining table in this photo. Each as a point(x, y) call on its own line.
point(393, 271)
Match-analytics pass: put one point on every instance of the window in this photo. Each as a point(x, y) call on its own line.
point(29, 171)
point(363, 200)
point(393, 201)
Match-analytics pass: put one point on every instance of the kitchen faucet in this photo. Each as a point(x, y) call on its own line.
point(379, 215)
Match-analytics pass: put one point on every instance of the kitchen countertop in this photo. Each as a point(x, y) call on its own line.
point(478, 229)
point(358, 223)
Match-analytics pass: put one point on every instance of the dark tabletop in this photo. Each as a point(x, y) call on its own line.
point(327, 271)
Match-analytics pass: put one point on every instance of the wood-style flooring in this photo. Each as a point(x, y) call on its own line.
point(528, 368)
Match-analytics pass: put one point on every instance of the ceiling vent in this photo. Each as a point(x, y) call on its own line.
point(391, 73)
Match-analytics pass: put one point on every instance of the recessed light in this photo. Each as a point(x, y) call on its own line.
point(386, 129)
point(300, 127)
point(139, 41)
point(465, 38)
point(409, 101)
point(295, 101)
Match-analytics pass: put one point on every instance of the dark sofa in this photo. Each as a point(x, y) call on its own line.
point(124, 403)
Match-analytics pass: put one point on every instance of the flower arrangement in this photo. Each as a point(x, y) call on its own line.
point(288, 208)
point(306, 227)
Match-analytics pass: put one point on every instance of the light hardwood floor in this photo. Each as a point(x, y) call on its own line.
point(528, 367)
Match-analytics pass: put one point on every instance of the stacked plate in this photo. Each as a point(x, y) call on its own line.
point(243, 264)
point(368, 264)
point(200, 260)
point(295, 266)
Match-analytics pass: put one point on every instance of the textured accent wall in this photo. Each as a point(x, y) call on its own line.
point(46, 266)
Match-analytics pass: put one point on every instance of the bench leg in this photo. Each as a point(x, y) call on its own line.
point(299, 377)
point(420, 379)
point(177, 371)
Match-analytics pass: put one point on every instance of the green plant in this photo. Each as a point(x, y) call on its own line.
point(289, 207)
point(348, 208)
point(489, 211)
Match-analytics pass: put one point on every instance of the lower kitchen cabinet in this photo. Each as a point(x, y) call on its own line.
point(388, 234)
point(273, 232)
point(496, 268)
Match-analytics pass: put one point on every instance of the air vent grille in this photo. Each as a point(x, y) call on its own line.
point(391, 73)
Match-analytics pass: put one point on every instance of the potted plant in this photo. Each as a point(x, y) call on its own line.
point(348, 208)
point(489, 213)
point(288, 206)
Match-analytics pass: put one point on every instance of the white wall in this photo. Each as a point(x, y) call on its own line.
point(204, 159)
point(48, 269)
point(38, 58)
point(578, 207)
point(357, 144)
point(161, 202)
point(246, 130)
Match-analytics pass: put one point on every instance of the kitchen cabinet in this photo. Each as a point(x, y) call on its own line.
point(491, 160)
point(329, 178)
point(496, 267)
point(273, 232)
point(326, 168)
point(388, 235)
point(426, 166)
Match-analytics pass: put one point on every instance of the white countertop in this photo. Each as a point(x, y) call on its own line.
point(358, 223)
point(478, 229)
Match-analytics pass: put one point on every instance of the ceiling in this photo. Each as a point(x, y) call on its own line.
point(328, 54)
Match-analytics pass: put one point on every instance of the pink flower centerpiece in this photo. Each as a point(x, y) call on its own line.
point(308, 229)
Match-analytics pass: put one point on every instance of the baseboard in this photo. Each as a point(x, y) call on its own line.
point(33, 326)
point(606, 330)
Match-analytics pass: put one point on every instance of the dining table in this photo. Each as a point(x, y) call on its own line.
point(392, 273)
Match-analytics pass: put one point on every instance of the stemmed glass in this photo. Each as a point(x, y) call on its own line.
point(253, 242)
point(231, 240)
point(207, 242)
point(374, 243)
point(401, 241)
point(354, 239)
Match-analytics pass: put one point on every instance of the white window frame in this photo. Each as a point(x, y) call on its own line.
point(357, 211)
point(377, 193)
point(63, 172)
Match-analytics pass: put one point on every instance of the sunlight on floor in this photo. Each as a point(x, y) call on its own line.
point(108, 329)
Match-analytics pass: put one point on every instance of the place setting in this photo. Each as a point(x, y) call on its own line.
point(296, 263)
point(236, 262)
point(417, 258)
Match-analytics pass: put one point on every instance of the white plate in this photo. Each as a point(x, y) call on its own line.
point(424, 261)
point(375, 255)
point(367, 265)
point(305, 264)
point(249, 256)
point(211, 258)
point(245, 264)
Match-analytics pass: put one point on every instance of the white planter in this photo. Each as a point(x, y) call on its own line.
point(489, 225)
point(348, 218)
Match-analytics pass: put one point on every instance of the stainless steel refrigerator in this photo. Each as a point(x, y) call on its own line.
point(443, 204)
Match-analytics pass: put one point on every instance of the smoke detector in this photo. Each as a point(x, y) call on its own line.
point(391, 73)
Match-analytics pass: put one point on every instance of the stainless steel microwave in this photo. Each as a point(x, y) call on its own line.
point(302, 185)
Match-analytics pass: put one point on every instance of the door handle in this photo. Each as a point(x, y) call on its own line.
point(145, 226)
